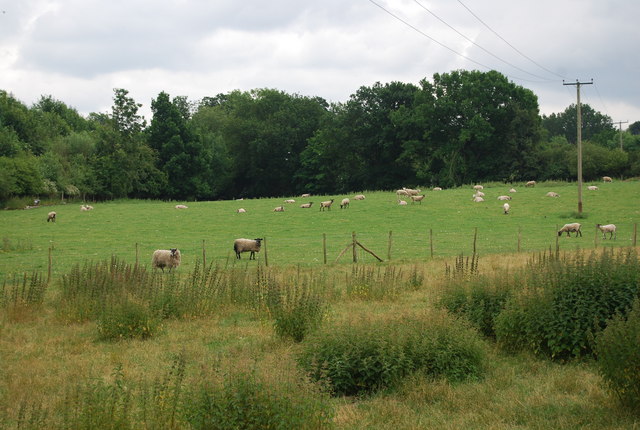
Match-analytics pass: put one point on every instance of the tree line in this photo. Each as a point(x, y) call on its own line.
point(457, 128)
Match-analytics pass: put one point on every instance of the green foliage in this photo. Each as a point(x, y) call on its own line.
point(368, 355)
point(567, 301)
point(22, 293)
point(618, 352)
point(126, 319)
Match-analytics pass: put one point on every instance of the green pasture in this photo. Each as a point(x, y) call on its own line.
point(446, 220)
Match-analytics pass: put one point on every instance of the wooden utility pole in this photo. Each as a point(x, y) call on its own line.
point(620, 128)
point(579, 138)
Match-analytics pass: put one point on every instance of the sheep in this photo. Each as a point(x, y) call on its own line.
point(306, 195)
point(417, 199)
point(411, 192)
point(592, 188)
point(609, 228)
point(506, 208)
point(247, 245)
point(83, 208)
point(478, 199)
point(165, 258)
point(504, 197)
point(552, 194)
point(182, 207)
point(51, 216)
point(530, 184)
point(402, 192)
point(607, 179)
point(326, 204)
point(242, 211)
point(512, 190)
point(358, 197)
point(568, 228)
point(289, 201)
point(478, 187)
point(345, 203)
point(478, 194)
point(437, 189)
point(402, 203)
point(279, 209)
point(306, 205)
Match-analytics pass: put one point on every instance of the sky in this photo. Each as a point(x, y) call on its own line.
point(79, 51)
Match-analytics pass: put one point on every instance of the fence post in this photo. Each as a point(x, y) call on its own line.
point(324, 247)
point(557, 242)
point(136, 253)
point(355, 251)
point(50, 265)
point(595, 238)
point(635, 233)
point(519, 237)
point(389, 247)
point(266, 256)
point(475, 237)
point(431, 241)
point(204, 255)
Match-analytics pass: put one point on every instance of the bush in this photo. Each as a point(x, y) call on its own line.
point(618, 351)
point(368, 355)
point(568, 301)
point(126, 320)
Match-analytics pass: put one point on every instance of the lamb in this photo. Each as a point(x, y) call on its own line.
point(358, 197)
point(326, 204)
point(279, 209)
point(162, 258)
point(506, 208)
point(478, 199)
point(242, 211)
point(607, 179)
point(182, 207)
point(592, 188)
point(306, 205)
point(402, 203)
point(568, 228)
point(289, 201)
point(512, 190)
point(530, 184)
point(345, 203)
point(504, 197)
point(609, 228)
point(552, 194)
point(247, 245)
point(417, 199)
point(51, 216)
point(478, 187)
point(437, 189)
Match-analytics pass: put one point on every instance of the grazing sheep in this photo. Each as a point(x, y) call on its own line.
point(478, 199)
point(51, 216)
point(402, 192)
point(504, 197)
point(512, 190)
point(289, 201)
point(358, 197)
point(162, 258)
point(506, 208)
point(345, 203)
point(411, 192)
point(242, 211)
point(573, 227)
point(592, 188)
point(83, 208)
point(437, 189)
point(478, 187)
point(279, 209)
point(326, 204)
point(306, 205)
point(182, 207)
point(402, 203)
point(247, 245)
point(306, 195)
point(609, 228)
point(530, 184)
point(478, 194)
point(607, 179)
point(417, 199)
point(552, 194)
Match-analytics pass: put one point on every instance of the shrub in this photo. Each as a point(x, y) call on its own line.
point(567, 301)
point(368, 355)
point(618, 351)
point(126, 320)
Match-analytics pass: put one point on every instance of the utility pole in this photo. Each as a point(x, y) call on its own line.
point(579, 137)
point(620, 127)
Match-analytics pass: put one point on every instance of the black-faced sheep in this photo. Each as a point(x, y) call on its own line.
point(568, 228)
point(247, 245)
point(417, 199)
point(326, 204)
point(359, 197)
point(306, 205)
point(607, 179)
point(608, 228)
point(51, 216)
point(162, 258)
point(345, 203)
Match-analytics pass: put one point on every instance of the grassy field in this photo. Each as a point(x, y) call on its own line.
point(447, 219)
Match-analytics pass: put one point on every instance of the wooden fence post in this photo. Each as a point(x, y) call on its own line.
point(137, 253)
point(557, 242)
point(519, 237)
point(475, 237)
point(389, 246)
point(266, 256)
point(635, 233)
point(50, 265)
point(595, 238)
point(431, 241)
point(355, 251)
point(204, 255)
point(324, 247)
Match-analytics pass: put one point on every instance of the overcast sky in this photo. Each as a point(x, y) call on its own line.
point(78, 51)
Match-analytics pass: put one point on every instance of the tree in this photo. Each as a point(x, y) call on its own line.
point(596, 126)
point(634, 128)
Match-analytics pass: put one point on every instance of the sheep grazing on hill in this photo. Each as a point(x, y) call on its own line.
point(344, 204)
point(359, 197)
point(552, 194)
point(411, 192)
point(504, 197)
point(306, 205)
point(478, 187)
point(512, 190)
point(242, 211)
point(530, 184)
point(85, 208)
point(247, 245)
point(478, 194)
point(478, 199)
point(168, 258)
point(592, 188)
point(437, 189)
point(607, 179)
point(402, 192)
point(51, 216)
point(326, 204)
point(182, 207)
point(506, 208)
point(306, 195)
point(417, 199)
point(279, 209)
point(608, 228)
point(289, 201)
point(402, 203)
point(569, 228)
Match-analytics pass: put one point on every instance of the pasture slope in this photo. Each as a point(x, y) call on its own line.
point(295, 236)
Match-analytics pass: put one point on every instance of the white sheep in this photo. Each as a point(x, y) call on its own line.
point(411, 192)
point(162, 258)
point(607, 179)
point(182, 207)
point(279, 209)
point(504, 197)
point(478, 199)
point(608, 228)
point(417, 199)
point(402, 192)
point(51, 216)
point(359, 197)
point(83, 208)
point(506, 208)
point(306, 195)
point(530, 184)
point(478, 187)
point(512, 190)
point(478, 194)
point(402, 203)
point(568, 228)
point(592, 188)
point(247, 245)
point(306, 205)
point(289, 201)
point(345, 203)
point(326, 204)
point(242, 211)
point(437, 189)
point(552, 194)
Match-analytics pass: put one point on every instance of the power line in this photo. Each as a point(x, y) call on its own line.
point(474, 43)
point(505, 41)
